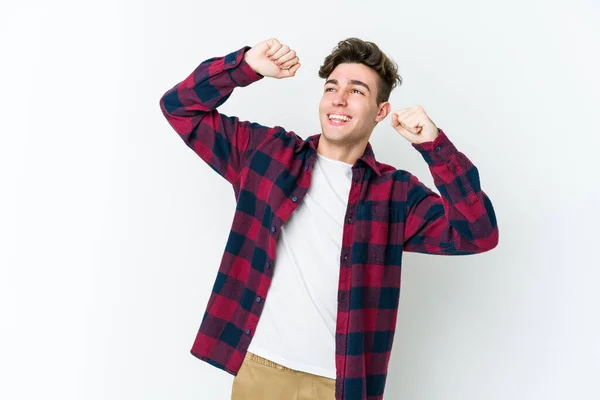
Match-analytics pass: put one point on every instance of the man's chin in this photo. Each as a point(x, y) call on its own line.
point(336, 135)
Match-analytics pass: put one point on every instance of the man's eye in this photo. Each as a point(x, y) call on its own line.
point(353, 90)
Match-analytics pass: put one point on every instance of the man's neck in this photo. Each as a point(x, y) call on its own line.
point(347, 153)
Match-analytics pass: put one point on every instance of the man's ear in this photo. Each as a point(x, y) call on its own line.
point(384, 110)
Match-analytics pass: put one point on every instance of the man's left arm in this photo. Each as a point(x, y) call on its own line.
point(462, 220)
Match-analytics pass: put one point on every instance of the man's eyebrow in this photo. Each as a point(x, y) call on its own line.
point(352, 81)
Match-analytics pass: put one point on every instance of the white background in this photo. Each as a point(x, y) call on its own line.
point(111, 229)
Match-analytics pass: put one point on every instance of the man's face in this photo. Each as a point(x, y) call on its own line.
point(348, 111)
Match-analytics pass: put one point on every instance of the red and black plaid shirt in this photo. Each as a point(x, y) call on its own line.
point(389, 211)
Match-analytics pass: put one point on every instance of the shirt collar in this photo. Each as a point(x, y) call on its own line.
point(368, 156)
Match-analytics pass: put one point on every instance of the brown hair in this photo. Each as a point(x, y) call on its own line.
point(354, 50)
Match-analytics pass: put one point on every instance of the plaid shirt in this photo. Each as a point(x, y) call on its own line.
point(389, 211)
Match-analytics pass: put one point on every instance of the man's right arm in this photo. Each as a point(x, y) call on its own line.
point(190, 108)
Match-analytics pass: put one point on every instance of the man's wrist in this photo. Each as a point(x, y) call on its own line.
point(248, 60)
point(240, 71)
point(438, 150)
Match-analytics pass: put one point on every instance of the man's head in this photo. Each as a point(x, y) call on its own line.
point(359, 79)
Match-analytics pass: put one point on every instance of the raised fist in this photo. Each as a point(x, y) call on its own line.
point(273, 59)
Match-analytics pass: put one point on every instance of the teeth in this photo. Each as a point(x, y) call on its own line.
point(339, 117)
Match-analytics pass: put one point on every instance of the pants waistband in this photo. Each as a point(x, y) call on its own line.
point(260, 360)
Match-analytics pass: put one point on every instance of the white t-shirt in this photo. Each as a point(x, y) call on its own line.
point(297, 325)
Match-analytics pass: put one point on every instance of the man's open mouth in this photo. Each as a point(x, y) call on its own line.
point(338, 119)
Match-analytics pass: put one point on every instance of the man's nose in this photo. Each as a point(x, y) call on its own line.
point(339, 99)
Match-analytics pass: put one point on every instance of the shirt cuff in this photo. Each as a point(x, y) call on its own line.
point(239, 70)
point(438, 150)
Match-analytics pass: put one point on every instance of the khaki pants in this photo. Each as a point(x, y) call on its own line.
point(262, 379)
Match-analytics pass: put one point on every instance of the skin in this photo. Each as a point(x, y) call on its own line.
point(345, 95)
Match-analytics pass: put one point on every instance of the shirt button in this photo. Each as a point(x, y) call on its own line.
point(349, 220)
point(345, 258)
point(268, 265)
point(258, 299)
point(273, 229)
point(294, 199)
point(306, 167)
point(233, 62)
point(247, 331)
point(438, 149)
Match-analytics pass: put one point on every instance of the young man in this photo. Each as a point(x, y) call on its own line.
point(315, 247)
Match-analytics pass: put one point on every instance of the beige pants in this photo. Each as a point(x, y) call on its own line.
point(262, 379)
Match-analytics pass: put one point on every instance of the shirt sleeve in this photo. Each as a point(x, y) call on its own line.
point(190, 107)
point(461, 220)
